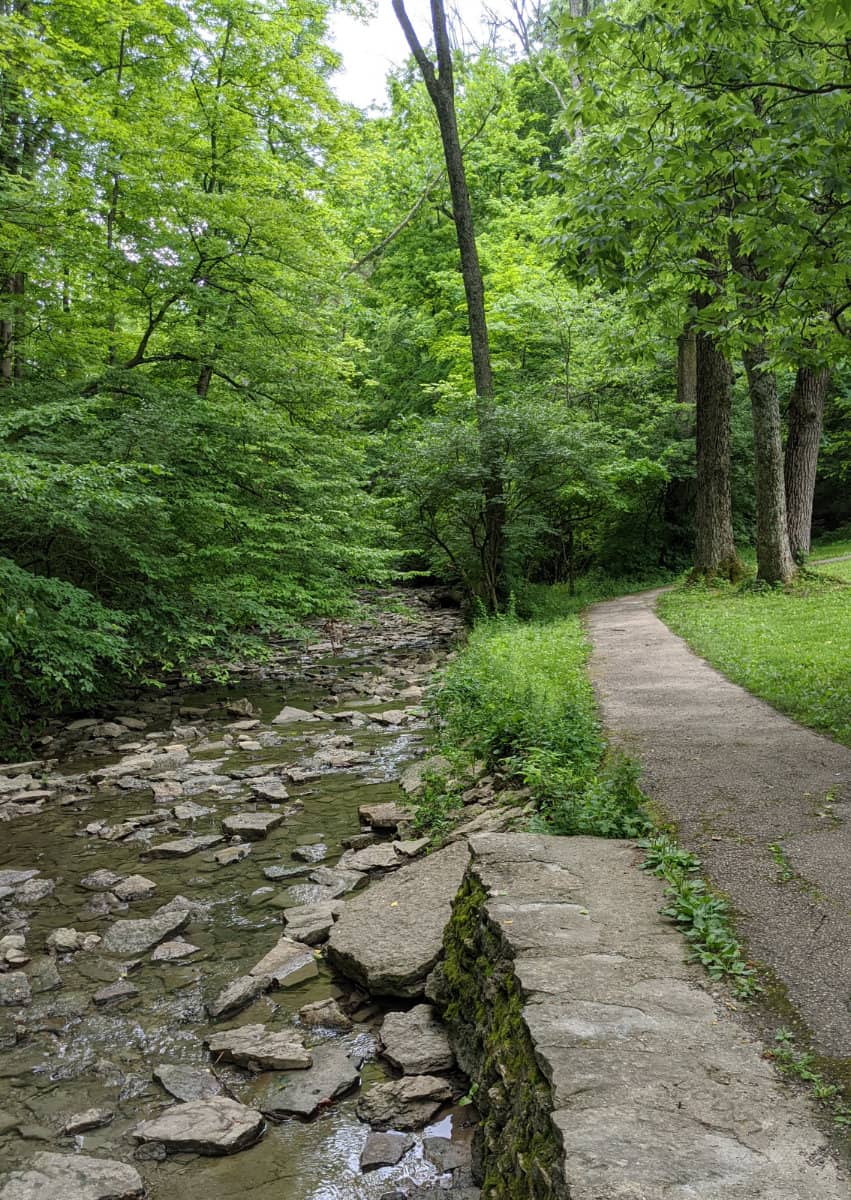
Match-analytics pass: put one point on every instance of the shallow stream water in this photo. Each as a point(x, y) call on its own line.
point(61, 1055)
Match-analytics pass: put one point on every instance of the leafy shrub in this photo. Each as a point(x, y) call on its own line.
point(606, 804)
point(518, 699)
point(57, 645)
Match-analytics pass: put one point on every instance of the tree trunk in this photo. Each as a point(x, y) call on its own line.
point(441, 90)
point(11, 360)
point(806, 408)
point(687, 368)
point(774, 557)
point(715, 548)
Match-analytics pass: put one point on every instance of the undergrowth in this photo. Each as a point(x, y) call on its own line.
point(702, 916)
point(518, 700)
point(803, 1065)
point(554, 601)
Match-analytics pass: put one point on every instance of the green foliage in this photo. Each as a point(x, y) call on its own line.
point(608, 804)
point(552, 602)
point(804, 1066)
point(831, 545)
point(790, 646)
point(57, 644)
point(180, 444)
point(785, 870)
point(517, 689)
point(586, 429)
point(702, 916)
point(518, 699)
point(437, 809)
point(688, 155)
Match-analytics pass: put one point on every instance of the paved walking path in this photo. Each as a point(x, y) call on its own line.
point(735, 776)
point(651, 1087)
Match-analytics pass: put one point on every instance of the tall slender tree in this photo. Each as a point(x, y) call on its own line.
point(439, 81)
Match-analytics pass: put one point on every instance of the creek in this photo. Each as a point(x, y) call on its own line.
point(62, 1053)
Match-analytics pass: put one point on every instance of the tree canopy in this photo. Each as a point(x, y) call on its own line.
point(236, 379)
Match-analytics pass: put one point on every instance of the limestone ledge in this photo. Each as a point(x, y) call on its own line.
point(602, 1066)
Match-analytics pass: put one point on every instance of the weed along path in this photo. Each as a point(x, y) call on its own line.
point(765, 803)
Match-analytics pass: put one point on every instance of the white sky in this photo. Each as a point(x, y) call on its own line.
point(370, 49)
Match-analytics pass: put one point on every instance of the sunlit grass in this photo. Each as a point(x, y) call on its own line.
point(831, 545)
point(790, 646)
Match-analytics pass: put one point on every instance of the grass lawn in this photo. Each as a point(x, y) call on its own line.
point(790, 646)
point(832, 544)
point(835, 570)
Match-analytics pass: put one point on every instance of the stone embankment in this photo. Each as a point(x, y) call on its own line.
point(603, 1066)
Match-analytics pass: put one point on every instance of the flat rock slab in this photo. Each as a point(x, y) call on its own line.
point(216, 1126)
point(135, 887)
point(252, 825)
point(259, 1049)
point(416, 1042)
point(190, 811)
point(381, 857)
point(408, 1103)
point(237, 995)
point(289, 715)
point(187, 1083)
point(138, 937)
point(338, 880)
point(287, 963)
point(15, 988)
point(657, 1092)
point(270, 787)
point(115, 993)
point(183, 847)
point(312, 923)
point(384, 1150)
point(324, 1014)
point(390, 936)
point(72, 1177)
point(386, 815)
point(173, 951)
point(83, 1122)
point(446, 1155)
point(100, 880)
point(232, 854)
point(313, 853)
point(332, 1075)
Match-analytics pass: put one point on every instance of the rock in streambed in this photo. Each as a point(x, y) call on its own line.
point(215, 1126)
point(390, 936)
point(72, 1177)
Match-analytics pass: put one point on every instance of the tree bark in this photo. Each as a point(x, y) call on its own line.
point(774, 556)
point(715, 548)
point(687, 367)
point(806, 409)
point(441, 89)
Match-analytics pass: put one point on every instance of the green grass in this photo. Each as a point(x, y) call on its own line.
point(834, 570)
point(518, 700)
point(831, 544)
point(790, 646)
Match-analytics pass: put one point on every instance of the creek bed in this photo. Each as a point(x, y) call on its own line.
point(71, 1056)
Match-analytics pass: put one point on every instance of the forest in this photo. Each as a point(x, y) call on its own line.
point(574, 305)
